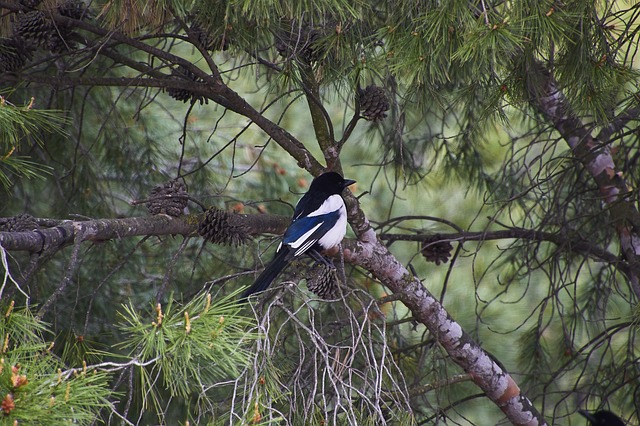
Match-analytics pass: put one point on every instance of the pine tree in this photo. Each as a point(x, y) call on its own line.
point(495, 148)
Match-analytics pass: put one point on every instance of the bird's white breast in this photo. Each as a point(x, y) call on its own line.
point(335, 234)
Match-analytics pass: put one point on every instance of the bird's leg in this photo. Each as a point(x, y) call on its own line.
point(315, 255)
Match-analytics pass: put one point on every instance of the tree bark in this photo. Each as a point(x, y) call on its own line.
point(595, 156)
point(367, 252)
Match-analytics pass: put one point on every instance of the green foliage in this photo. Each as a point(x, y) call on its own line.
point(193, 346)
point(462, 145)
point(23, 334)
point(264, 10)
point(19, 126)
point(35, 387)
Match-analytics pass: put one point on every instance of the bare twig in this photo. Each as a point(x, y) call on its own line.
point(66, 279)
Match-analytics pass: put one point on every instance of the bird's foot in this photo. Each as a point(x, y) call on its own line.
point(321, 259)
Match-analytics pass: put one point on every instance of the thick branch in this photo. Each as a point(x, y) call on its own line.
point(283, 138)
point(575, 245)
point(322, 124)
point(596, 157)
point(497, 384)
point(98, 230)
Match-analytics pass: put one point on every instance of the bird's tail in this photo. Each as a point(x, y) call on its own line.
point(270, 273)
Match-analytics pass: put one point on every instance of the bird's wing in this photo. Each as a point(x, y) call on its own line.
point(311, 205)
point(304, 232)
point(307, 204)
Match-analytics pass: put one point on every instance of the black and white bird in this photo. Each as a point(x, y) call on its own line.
point(602, 418)
point(319, 223)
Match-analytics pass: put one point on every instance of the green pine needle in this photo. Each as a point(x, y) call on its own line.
point(192, 345)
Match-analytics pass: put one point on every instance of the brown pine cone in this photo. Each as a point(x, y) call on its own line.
point(219, 227)
point(374, 103)
point(75, 9)
point(30, 4)
point(34, 28)
point(169, 198)
point(20, 223)
point(298, 41)
point(322, 281)
point(436, 251)
point(206, 40)
point(61, 41)
point(181, 73)
point(14, 54)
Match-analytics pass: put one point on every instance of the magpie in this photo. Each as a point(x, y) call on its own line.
point(602, 418)
point(319, 223)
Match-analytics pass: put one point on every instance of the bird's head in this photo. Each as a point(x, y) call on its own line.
point(602, 418)
point(330, 183)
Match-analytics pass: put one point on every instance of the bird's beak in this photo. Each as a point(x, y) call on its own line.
point(348, 182)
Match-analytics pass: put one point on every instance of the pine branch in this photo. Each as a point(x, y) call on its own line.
point(596, 157)
point(354, 118)
point(71, 269)
point(618, 123)
point(99, 230)
point(319, 116)
point(53, 239)
point(370, 254)
point(212, 86)
point(449, 381)
point(570, 244)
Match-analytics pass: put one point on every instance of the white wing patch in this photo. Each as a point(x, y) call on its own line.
point(306, 246)
point(331, 204)
point(303, 238)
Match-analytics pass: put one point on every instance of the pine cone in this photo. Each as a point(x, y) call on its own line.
point(168, 198)
point(373, 103)
point(181, 73)
point(435, 250)
point(34, 28)
point(60, 43)
point(221, 227)
point(20, 223)
point(206, 40)
point(322, 281)
point(30, 4)
point(75, 9)
point(13, 54)
point(298, 41)
point(63, 38)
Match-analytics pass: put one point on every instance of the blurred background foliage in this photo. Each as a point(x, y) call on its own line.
point(460, 144)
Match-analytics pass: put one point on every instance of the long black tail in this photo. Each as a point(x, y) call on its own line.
point(270, 273)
